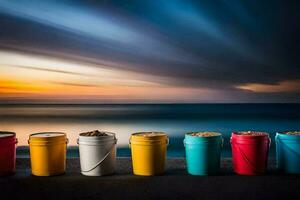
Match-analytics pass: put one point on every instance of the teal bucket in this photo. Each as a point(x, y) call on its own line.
point(203, 153)
point(288, 153)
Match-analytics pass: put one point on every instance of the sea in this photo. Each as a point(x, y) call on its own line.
point(125, 119)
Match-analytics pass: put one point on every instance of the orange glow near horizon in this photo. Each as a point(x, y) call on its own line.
point(29, 77)
point(56, 91)
point(32, 77)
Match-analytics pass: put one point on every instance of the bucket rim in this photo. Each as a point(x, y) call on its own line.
point(159, 139)
point(7, 134)
point(59, 137)
point(216, 134)
point(284, 133)
point(59, 134)
point(155, 134)
point(153, 137)
point(287, 137)
point(260, 134)
point(97, 140)
point(98, 136)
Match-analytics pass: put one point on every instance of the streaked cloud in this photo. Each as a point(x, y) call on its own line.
point(47, 70)
point(149, 51)
point(284, 87)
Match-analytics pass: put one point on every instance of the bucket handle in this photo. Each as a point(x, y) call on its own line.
point(249, 162)
point(102, 159)
point(167, 142)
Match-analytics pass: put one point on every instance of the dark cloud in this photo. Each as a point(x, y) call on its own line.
point(217, 44)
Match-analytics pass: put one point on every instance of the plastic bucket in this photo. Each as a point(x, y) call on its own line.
point(8, 143)
point(203, 152)
point(288, 152)
point(48, 153)
point(250, 152)
point(97, 154)
point(148, 150)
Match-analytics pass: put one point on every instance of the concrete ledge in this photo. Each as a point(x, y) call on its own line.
point(175, 184)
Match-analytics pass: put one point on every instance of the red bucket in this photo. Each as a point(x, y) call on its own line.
point(8, 143)
point(250, 152)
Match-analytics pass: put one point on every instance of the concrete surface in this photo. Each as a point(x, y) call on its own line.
point(175, 184)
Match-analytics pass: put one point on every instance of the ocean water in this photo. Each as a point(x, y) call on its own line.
point(174, 119)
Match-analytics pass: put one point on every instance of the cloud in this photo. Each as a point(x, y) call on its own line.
point(74, 84)
point(282, 87)
point(239, 48)
point(48, 70)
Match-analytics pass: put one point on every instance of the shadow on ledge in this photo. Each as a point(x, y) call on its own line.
point(175, 184)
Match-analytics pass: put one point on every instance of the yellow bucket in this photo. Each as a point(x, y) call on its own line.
point(148, 150)
point(48, 153)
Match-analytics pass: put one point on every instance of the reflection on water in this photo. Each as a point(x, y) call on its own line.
point(126, 119)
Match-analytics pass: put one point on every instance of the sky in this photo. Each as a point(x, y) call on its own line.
point(162, 51)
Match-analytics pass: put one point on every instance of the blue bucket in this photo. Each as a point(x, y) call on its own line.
point(288, 153)
point(203, 153)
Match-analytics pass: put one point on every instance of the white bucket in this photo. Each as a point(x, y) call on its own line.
point(97, 154)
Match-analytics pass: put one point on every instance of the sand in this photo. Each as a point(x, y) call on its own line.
point(150, 134)
point(292, 132)
point(252, 133)
point(204, 134)
point(94, 133)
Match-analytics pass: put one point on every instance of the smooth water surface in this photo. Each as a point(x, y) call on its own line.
point(174, 119)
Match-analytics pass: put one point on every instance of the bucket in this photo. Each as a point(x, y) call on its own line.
point(8, 143)
point(48, 153)
point(203, 152)
point(97, 153)
point(148, 150)
point(288, 151)
point(250, 152)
